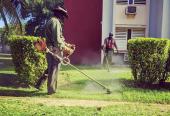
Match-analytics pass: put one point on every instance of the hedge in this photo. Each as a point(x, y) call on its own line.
point(147, 58)
point(167, 68)
point(29, 64)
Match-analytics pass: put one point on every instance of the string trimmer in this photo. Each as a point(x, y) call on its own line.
point(40, 45)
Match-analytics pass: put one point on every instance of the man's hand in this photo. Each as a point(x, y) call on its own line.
point(69, 49)
point(40, 45)
point(73, 47)
point(117, 51)
point(56, 50)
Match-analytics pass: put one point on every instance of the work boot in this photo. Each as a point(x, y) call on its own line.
point(41, 81)
point(50, 93)
point(37, 87)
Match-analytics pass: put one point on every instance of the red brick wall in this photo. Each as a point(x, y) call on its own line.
point(83, 28)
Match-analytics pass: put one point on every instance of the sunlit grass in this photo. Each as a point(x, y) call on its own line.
point(74, 85)
point(11, 107)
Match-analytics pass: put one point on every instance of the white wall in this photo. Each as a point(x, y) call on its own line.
point(107, 17)
point(155, 20)
point(107, 20)
point(166, 19)
point(159, 19)
point(140, 19)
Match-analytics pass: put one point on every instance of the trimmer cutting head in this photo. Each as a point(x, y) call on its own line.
point(108, 91)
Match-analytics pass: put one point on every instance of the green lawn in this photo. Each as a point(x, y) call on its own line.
point(74, 85)
point(20, 108)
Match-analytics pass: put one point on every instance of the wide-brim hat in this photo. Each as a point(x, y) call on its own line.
point(60, 10)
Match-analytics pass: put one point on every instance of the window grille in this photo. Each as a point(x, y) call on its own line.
point(138, 33)
point(139, 1)
point(125, 2)
point(121, 38)
point(122, 2)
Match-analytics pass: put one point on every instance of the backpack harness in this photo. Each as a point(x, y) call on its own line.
point(109, 44)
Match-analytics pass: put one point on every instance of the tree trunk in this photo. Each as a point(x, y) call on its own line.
point(6, 28)
point(4, 19)
point(20, 24)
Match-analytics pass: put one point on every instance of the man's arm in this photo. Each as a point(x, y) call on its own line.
point(56, 30)
point(67, 49)
point(115, 45)
point(104, 45)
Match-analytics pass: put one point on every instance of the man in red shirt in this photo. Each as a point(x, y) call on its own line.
point(108, 48)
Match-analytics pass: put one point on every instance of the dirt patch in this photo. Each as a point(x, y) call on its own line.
point(68, 102)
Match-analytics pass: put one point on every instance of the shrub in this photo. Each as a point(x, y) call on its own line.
point(29, 64)
point(147, 57)
point(167, 68)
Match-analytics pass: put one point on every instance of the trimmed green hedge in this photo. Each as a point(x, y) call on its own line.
point(147, 57)
point(168, 61)
point(29, 64)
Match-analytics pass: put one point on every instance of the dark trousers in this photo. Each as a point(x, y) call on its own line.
point(108, 57)
point(51, 73)
point(42, 79)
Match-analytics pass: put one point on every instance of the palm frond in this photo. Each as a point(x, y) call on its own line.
point(11, 14)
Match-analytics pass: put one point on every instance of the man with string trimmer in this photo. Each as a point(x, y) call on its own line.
point(56, 44)
point(40, 45)
point(108, 49)
point(54, 47)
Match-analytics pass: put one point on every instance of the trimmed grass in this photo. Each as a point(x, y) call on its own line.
point(12, 107)
point(74, 85)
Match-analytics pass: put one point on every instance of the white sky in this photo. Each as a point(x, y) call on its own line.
point(1, 23)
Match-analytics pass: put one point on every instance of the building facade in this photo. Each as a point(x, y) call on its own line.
point(83, 28)
point(91, 21)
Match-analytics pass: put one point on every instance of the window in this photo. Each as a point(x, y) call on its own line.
point(129, 34)
point(131, 1)
point(121, 38)
point(123, 34)
point(139, 1)
point(124, 2)
point(138, 32)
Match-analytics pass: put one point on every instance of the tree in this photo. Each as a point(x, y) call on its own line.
point(40, 11)
point(12, 10)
